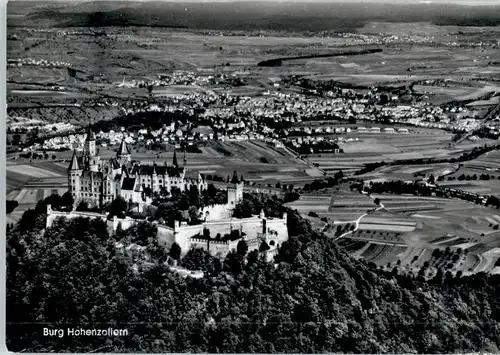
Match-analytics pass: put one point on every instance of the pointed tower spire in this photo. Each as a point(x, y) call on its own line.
point(174, 162)
point(123, 150)
point(123, 155)
point(90, 134)
point(185, 160)
point(235, 179)
point(73, 164)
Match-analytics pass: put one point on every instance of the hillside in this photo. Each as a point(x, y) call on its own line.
point(314, 299)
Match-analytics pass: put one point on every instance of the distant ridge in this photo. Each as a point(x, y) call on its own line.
point(285, 16)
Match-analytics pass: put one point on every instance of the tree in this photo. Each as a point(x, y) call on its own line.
point(243, 209)
point(77, 275)
point(194, 215)
point(384, 99)
point(377, 201)
point(11, 206)
point(234, 263)
point(242, 247)
point(67, 200)
point(175, 251)
point(118, 206)
point(82, 206)
point(291, 196)
point(264, 247)
point(16, 139)
point(194, 196)
point(431, 179)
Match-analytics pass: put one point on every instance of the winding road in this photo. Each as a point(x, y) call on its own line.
point(358, 221)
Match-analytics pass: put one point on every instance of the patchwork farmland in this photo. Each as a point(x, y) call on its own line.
point(408, 229)
point(29, 183)
point(363, 148)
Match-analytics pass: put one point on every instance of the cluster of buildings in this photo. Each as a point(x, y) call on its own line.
point(178, 77)
point(38, 62)
point(23, 124)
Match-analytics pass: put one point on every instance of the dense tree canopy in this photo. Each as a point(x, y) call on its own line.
point(315, 298)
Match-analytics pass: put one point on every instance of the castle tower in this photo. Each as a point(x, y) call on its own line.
point(234, 190)
point(123, 155)
point(174, 160)
point(90, 148)
point(154, 180)
point(74, 173)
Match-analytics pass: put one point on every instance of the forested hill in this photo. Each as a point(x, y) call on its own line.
point(316, 299)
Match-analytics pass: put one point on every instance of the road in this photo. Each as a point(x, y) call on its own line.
point(304, 160)
point(358, 221)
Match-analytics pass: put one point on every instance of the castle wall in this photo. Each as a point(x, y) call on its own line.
point(165, 235)
point(180, 235)
point(216, 248)
point(126, 223)
point(252, 227)
point(52, 215)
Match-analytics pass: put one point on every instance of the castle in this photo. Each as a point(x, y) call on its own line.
point(219, 237)
point(99, 182)
point(220, 233)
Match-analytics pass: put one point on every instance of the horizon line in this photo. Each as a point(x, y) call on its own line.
point(392, 2)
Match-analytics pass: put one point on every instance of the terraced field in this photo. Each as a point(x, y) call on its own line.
point(410, 228)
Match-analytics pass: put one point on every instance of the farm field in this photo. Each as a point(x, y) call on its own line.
point(132, 56)
point(408, 172)
point(370, 148)
point(409, 229)
point(30, 183)
point(257, 161)
point(317, 203)
point(486, 164)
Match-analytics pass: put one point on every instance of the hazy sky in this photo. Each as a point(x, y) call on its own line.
point(461, 2)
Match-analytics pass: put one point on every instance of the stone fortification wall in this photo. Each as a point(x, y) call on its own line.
point(53, 215)
point(126, 222)
point(165, 235)
point(214, 247)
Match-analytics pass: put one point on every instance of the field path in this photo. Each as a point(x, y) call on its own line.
point(381, 206)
